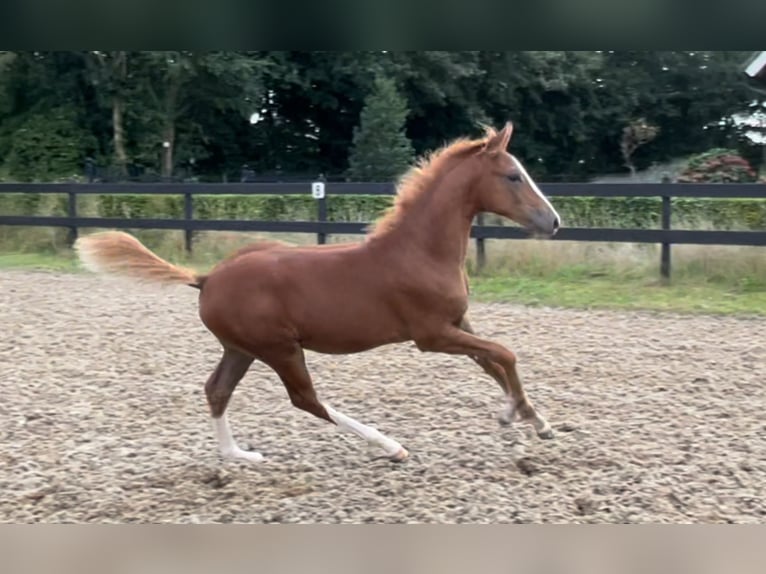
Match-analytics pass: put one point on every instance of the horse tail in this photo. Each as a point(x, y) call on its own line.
point(118, 253)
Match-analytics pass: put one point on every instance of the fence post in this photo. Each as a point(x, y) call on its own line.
point(318, 192)
point(72, 214)
point(665, 256)
point(189, 217)
point(481, 255)
point(90, 169)
point(246, 174)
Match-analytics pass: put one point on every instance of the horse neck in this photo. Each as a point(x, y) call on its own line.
point(437, 224)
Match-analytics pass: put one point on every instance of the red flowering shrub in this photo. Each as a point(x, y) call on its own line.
point(718, 166)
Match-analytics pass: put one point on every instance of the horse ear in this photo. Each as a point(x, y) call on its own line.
point(499, 141)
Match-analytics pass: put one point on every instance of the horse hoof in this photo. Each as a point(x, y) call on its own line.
point(546, 434)
point(400, 456)
point(505, 418)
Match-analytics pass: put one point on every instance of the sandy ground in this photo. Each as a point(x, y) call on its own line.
point(658, 418)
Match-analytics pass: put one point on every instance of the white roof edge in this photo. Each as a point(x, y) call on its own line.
point(757, 65)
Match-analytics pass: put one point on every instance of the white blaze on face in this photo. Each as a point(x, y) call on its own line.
point(533, 185)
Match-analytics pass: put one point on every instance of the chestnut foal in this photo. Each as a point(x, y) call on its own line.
point(404, 282)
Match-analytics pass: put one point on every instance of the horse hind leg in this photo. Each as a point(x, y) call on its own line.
point(292, 370)
point(218, 389)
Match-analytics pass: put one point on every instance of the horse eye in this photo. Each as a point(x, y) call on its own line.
point(514, 177)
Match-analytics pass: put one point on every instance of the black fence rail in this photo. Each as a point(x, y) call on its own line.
point(664, 235)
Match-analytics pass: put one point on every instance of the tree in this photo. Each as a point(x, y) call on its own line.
point(688, 95)
point(381, 150)
point(552, 99)
point(177, 84)
point(109, 75)
point(570, 108)
point(48, 145)
point(444, 93)
point(46, 112)
point(634, 135)
point(310, 105)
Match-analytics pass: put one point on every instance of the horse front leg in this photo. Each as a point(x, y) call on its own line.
point(496, 371)
point(498, 361)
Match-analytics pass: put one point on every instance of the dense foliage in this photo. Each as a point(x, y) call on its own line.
point(192, 113)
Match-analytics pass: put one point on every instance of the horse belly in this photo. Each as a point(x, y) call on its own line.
point(347, 328)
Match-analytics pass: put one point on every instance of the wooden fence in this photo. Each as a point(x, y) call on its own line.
point(664, 235)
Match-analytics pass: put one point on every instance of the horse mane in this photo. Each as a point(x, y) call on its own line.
point(421, 176)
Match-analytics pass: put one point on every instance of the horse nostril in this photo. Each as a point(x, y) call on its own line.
point(555, 224)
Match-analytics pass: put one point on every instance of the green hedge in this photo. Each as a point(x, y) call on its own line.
point(746, 214)
point(270, 207)
point(33, 204)
point(645, 212)
point(575, 211)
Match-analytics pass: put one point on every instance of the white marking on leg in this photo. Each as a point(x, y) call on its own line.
point(507, 413)
point(542, 427)
point(392, 448)
point(226, 444)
